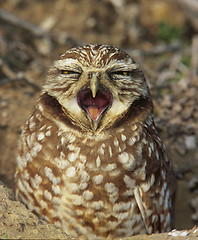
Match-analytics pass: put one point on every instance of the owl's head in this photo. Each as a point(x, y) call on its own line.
point(96, 85)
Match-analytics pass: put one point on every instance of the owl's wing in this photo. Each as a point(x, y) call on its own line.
point(142, 209)
point(154, 196)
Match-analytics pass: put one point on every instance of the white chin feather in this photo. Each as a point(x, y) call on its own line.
point(118, 108)
point(72, 106)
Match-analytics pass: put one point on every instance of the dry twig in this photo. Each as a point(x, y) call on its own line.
point(21, 23)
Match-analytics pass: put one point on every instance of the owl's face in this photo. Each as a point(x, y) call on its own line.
point(95, 85)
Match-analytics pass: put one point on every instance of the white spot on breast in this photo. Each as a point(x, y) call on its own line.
point(20, 185)
point(122, 206)
point(31, 125)
point(83, 186)
point(31, 139)
point(134, 127)
point(40, 136)
point(31, 118)
point(114, 197)
point(21, 162)
point(27, 186)
point(71, 137)
point(149, 151)
point(112, 224)
point(122, 216)
point(43, 204)
point(76, 199)
point(98, 162)
point(152, 180)
point(130, 183)
point(145, 187)
point(38, 179)
point(50, 175)
point(112, 191)
point(84, 176)
point(62, 163)
point(95, 220)
point(47, 195)
point(115, 173)
point(80, 166)
point(88, 195)
point(42, 128)
point(110, 152)
point(98, 179)
point(48, 133)
point(62, 155)
point(131, 141)
point(111, 167)
point(116, 143)
point(79, 212)
point(56, 189)
point(26, 175)
point(63, 140)
point(72, 156)
point(71, 171)
point(82, 158)
point(56, 200)
point(71, 147)
point(36, 148)
point(128, 193)
point(97, 205)
point(123, 137)
point(40, 107)
point(110, 187)
point(29, 143)
point(72, 187)
point(101, 150)
point(123, 157)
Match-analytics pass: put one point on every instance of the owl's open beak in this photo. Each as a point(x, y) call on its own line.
point(94, 104)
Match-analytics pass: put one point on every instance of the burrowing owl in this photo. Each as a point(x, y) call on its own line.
point(90, 159)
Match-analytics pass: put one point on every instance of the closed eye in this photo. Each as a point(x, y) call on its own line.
point(120, 73)
point(123, 73)
point(68, 72)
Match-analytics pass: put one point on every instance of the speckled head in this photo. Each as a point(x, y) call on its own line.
point(97, 55)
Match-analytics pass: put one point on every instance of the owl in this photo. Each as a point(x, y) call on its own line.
point(90, 159)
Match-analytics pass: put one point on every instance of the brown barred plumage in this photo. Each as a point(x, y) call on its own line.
point(90, 159)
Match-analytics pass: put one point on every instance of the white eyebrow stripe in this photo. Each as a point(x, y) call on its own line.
point(65, 62)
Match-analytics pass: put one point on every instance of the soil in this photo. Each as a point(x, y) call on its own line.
point(170, 67)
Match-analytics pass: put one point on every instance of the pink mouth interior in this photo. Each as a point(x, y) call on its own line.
point(94, 106)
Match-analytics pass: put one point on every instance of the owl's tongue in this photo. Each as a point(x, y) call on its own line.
point(94, 112)
point(94, 106)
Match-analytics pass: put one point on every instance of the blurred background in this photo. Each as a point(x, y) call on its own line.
point(160, 35)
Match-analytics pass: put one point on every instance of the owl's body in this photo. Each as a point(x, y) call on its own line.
point(90, 160)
